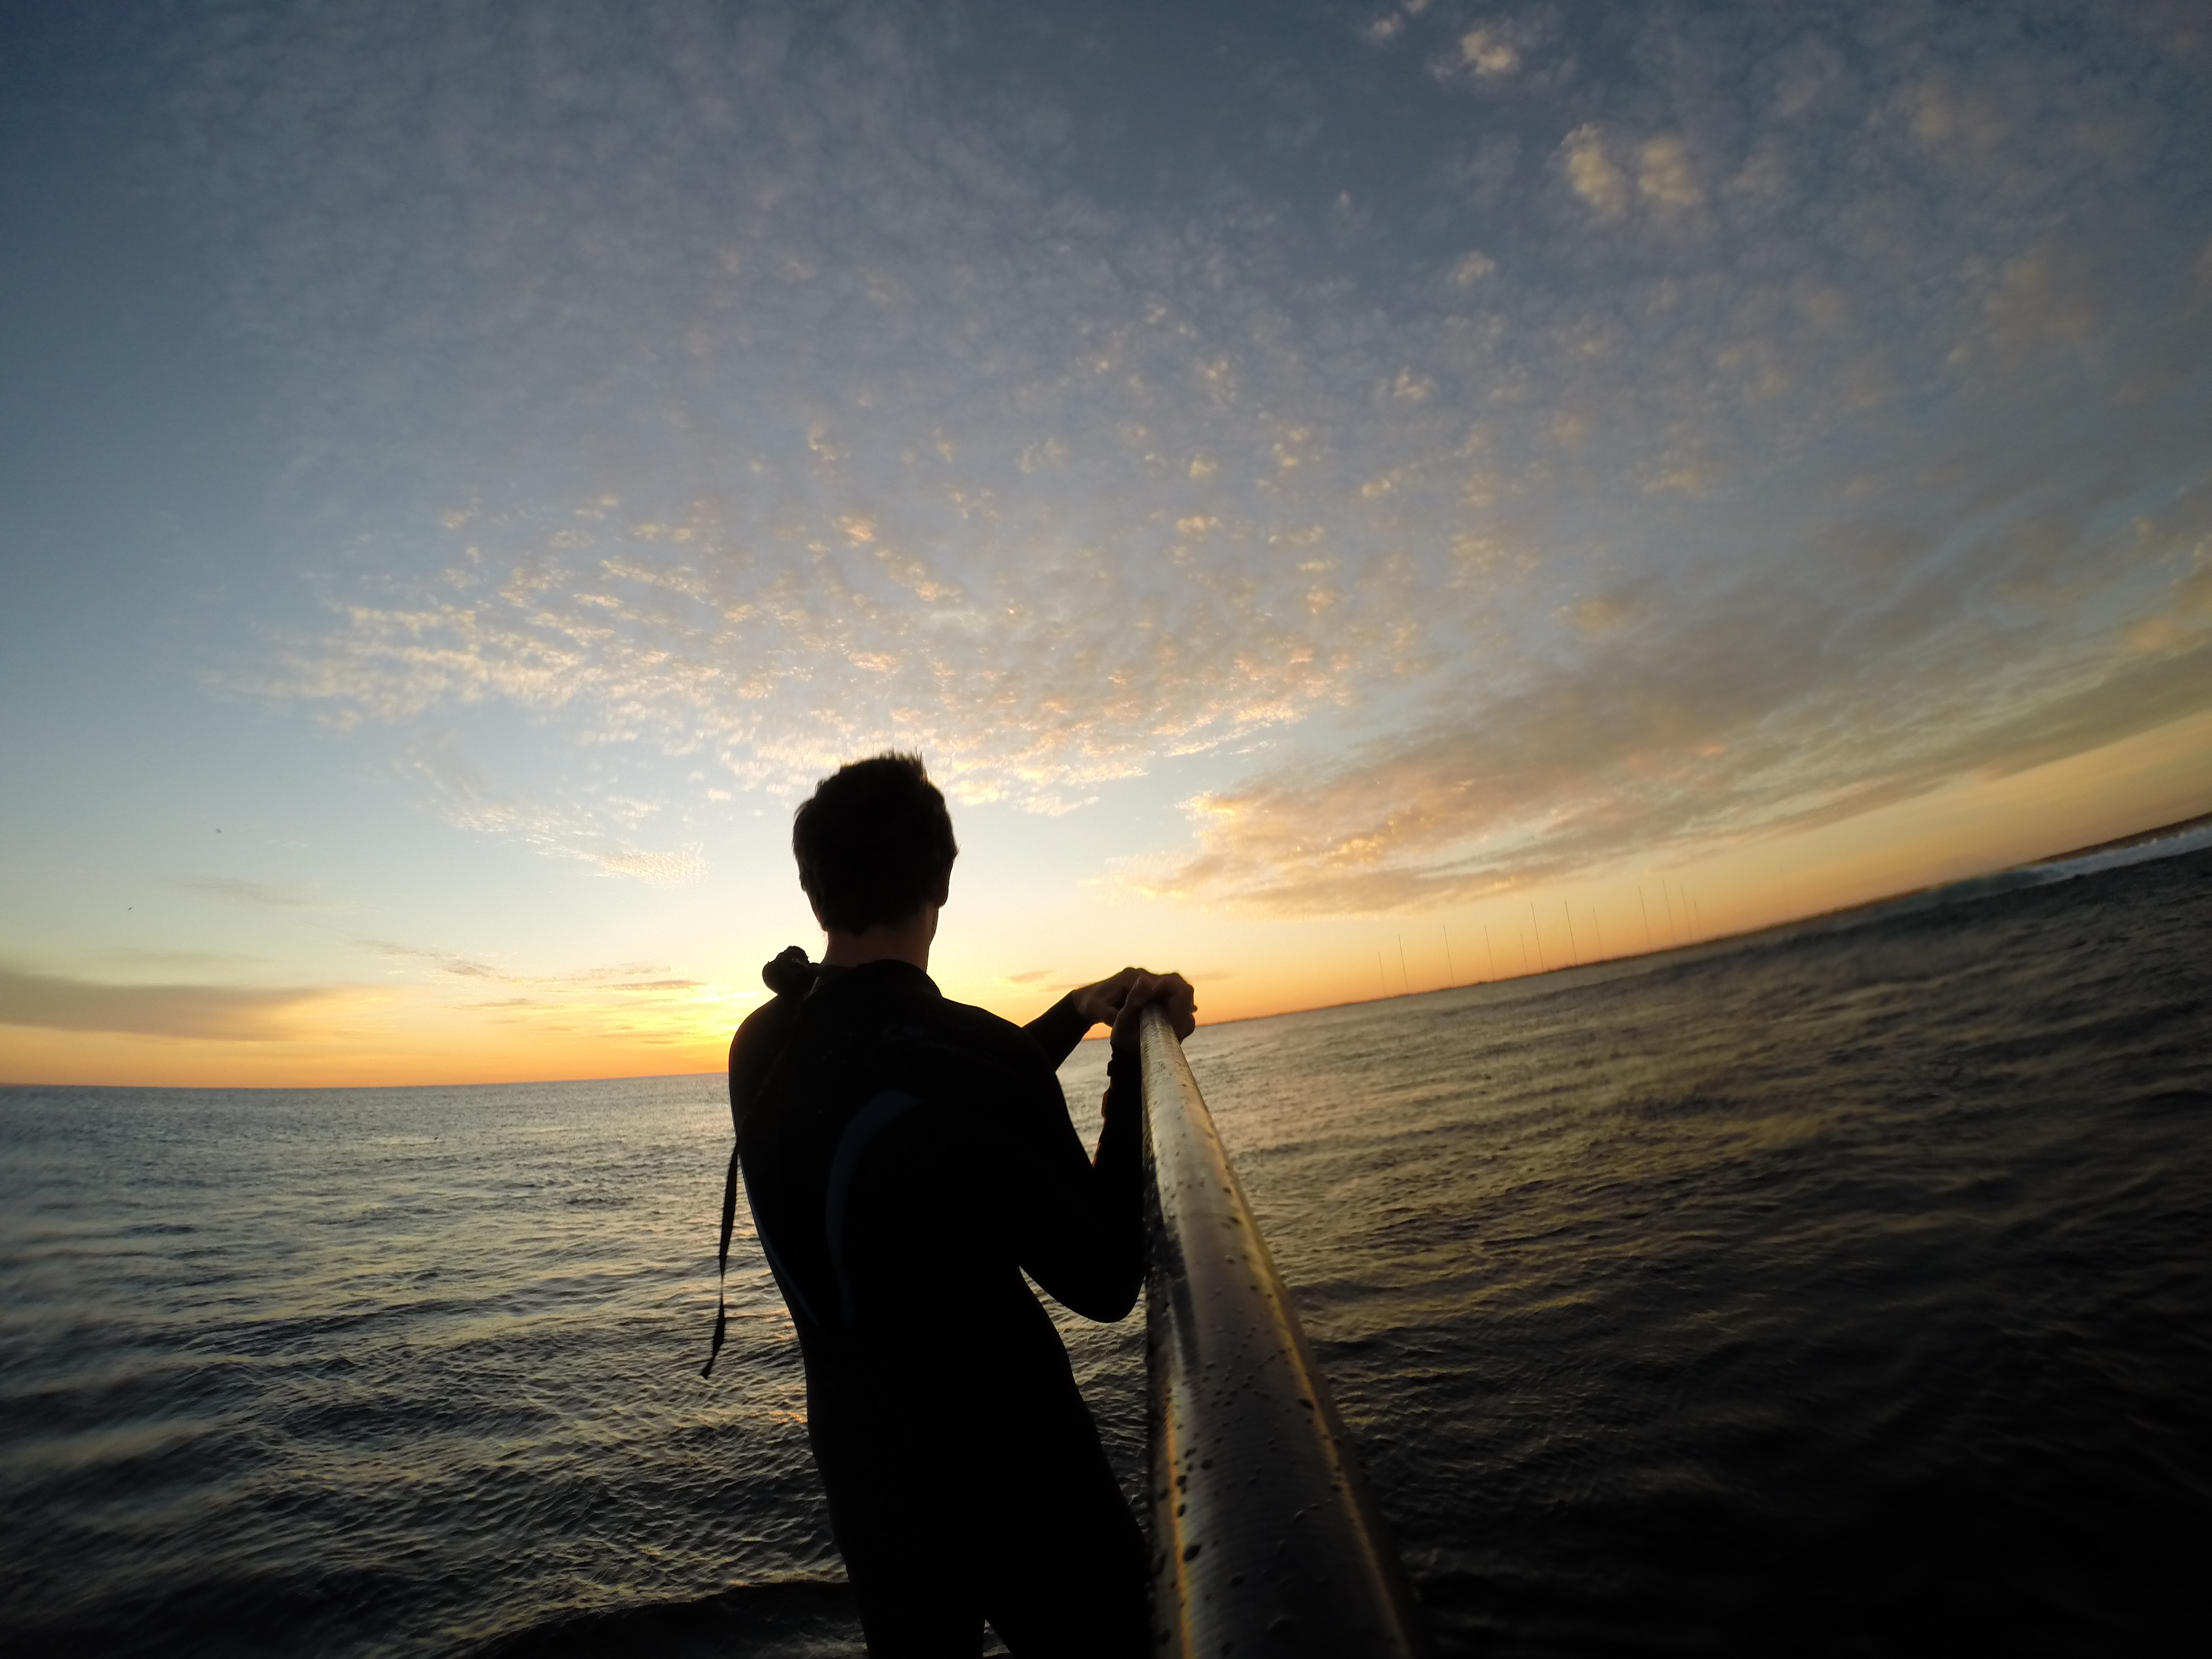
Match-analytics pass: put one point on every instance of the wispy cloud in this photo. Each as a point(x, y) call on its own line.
point(256, 894)
point(621, 998)
point(616, 977)
point(1699, 717)
point(199, 961)
point(591, 828)
point(618, 1002)
point(215, 1013)
point(443, 962)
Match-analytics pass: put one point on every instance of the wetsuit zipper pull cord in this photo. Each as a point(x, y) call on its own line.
point(722, 1266)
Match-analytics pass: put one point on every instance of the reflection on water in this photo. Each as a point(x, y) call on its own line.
point(1843, 1294)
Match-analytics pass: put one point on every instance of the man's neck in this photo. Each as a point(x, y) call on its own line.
point(905, 941)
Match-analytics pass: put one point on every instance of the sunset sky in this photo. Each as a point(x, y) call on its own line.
point(1343, 499)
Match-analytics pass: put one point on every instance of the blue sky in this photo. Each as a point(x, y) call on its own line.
point(1299, 474)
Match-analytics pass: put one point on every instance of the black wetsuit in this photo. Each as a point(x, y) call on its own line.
point(906, 1159)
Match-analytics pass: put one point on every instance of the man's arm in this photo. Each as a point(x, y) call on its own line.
point(1079, 1223)
point(1058, 1028)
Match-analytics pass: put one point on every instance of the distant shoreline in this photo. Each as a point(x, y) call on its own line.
point(2178, 827)
point(1863, 911)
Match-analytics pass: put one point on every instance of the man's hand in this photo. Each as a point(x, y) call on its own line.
point(1171, 991)
point(1114, 1002)
point(1099, 1003)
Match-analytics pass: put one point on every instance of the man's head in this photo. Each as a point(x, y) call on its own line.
point(874, 844)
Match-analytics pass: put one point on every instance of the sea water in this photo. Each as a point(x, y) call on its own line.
point(1846, 1290)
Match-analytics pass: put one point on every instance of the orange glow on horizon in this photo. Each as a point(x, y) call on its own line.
point(1244, 968)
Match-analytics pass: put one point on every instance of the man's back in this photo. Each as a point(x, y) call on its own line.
point(906, 1159)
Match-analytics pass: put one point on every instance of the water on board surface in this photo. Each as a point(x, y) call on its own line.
point(1842, 1292)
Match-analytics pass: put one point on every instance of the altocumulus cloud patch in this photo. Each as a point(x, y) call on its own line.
point(1556, 429)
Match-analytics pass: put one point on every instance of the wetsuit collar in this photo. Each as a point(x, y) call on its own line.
point(880, 975)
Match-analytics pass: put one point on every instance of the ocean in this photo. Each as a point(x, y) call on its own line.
point(1846, 1290)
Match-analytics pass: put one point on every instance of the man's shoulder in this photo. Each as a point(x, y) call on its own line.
point(977, 1037)
point(981, 1027)
point(758, 1040)
point(865, 1009)
point(765, 1025)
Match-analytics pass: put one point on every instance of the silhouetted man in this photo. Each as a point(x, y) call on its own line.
point(907, 1158)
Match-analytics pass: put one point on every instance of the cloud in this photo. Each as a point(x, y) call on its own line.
point(748, 390)
point(201, 960)
point(2180, 617)
point(632, 1001)
point(1486, 52)
point(1022, 677)
point(2044, 298)
point(594, 830)
point(212, 1012)
point(445, 962)
point(1851, 677)
point(1593, 173)
point(1664, 176)
point(625, 977)
point(616, 1001)
point(258, 895)
point(1471, 268)
point(677, 868)
point(1450, 814)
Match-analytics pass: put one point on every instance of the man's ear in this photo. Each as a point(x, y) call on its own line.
point(944, 891)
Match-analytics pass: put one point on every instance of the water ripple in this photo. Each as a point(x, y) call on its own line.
point(1839, 1294)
